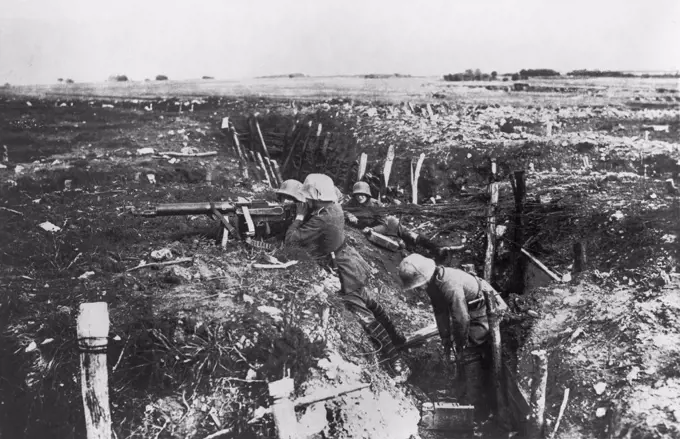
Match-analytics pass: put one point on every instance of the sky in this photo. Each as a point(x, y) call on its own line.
point(89, 40)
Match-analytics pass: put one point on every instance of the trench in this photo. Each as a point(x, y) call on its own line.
point(323, 144)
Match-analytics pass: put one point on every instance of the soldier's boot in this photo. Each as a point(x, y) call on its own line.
point(392, 361)
point(397, 337)
point(475, 383)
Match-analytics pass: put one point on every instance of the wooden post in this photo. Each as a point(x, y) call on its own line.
point(93, 330)
point(296, 138)
point(283, 408)
point(258, 170)
point(277, 171)
point(538, 386)
point(242, 158)
point(315, 151)
point(264, 168)
point(415, 175)
point(491, 225)
point(519, 188)
point(494, 318)
point(387, 170)
point(363, 160)
point(265, 153)
point(580, 260)
point(272, 174)
point(225, 237)
point(304, 148)
point(324, 147)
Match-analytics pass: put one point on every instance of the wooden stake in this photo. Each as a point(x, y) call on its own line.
point(296, 137)
point(363, 159)
point(283, 408)
point(579, 257)
point(258, 170)
point(265, 152)
point(415, 175)
point(565, 399)
point(496, 355)
point(324, 148)
point(264, 168)
point(538, 386)
point(93, 330)
point(387, 170)
point(225, 237)
point(519, 188)
point(277, 171)
point(270, 167)
point(242, 157)
point(491, 232)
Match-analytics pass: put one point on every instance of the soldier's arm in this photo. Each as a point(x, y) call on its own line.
point(441, 315)
point(303, 233)
point(461, 318)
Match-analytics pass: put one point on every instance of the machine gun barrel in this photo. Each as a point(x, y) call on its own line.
point(257, 208)
point(189, 208)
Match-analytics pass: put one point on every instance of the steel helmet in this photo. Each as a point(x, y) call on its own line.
point(293, 189)
point(361, 188)
point(319, 187)
point(416, 270)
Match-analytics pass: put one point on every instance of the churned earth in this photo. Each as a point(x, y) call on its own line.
point(193, 345)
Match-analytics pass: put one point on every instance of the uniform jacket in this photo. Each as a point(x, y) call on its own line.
point(367, 207)
point(455, 300)
point(323, 232)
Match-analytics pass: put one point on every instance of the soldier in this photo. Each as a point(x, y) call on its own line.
point(361, 197)
point(290, 192)
point(319, 228)
point(458, 302)
point(388, 225)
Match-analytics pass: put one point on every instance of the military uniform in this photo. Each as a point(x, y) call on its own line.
point(322, 235)
point(460, 310)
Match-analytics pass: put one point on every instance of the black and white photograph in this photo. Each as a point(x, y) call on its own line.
point(308, 219)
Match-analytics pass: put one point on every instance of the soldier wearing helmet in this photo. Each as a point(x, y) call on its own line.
point(290, 192)
point(459, 306)
point(388, 225)
point(319, 229)
point(361, 197)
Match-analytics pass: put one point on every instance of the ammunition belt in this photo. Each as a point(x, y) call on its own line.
point(260, 244)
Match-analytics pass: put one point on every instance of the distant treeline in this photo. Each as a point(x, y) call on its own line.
point(524, 74)
point(618, 74)
point(471, 75)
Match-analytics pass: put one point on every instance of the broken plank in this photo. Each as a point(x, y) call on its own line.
point(193, 154)
point(274, 266)
point(540, 265)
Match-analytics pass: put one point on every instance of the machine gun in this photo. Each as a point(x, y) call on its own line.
point(244, 220)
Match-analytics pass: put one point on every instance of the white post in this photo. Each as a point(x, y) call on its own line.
point(363, 160)
point(93, 330)
point(416, 176)
point(283, 408)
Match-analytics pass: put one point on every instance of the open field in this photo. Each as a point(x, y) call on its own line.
point(596, 91)
point(193, 346)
